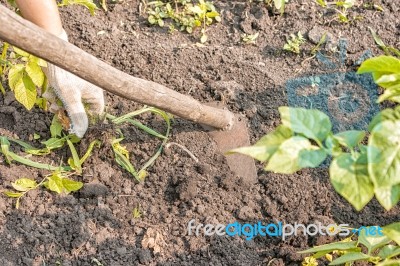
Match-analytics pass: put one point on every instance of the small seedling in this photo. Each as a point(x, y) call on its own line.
point(309, 261)
point(389, 50)
point(293, 44)
point(136, 213)
point(320, 42)
point(98, 263)
point(278, 4)
point(340, 7)
point(185, 15)
point(250, 38)
point(315, 81)
point(56, 182)
point(373, 6)
point(322, 3)
point(86, 3)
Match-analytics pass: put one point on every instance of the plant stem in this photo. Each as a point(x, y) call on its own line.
point(3, 57)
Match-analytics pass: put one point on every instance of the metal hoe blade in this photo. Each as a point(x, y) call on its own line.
point(237, 136)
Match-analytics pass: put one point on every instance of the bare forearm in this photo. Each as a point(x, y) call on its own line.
point(43, 13)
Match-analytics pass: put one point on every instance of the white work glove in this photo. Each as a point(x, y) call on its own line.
point(73, 91)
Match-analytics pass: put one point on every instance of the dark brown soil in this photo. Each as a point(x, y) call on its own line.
point(96, 224)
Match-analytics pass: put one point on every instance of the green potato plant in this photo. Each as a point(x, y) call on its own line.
point(24, 71)
point(363, 164)
point(186, 15)
point(25, 75)
point(58, 180)
point(250, 38)
point(341, 8)
point(377, 249)
point(277, 4)
point(293, 44)
point(86, 3)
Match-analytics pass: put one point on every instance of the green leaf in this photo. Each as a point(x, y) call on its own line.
point(386, 114)
point(71, 163)
point(267, 145)
point(286, 159)
point(24, 184)
point(389, 251)
point(13, 194)
point(378, 40)
point(152, 20)
point(71, 185)
point(350, 138)
point(5, 144)
point(86, 3)
point(76, 161)
point(384, 158)
point(332, 146)
point(331, 247)
point(388, 196)
point(312, 157)
point(391, 93)
point(145, 128)
point(280, 5)
point(31, 163)
point(30, 149)
point(20, 52)
point(350, 179)
point(203, 38)
point(196, 9)
point(40, 62)
point(25, 92)
point(393, 232)
point(372, 242)
point(350, 257)
point(312, 124)
point(389, 263)
point(116, 145)
point(388, 80)
point(55, 182)
point(5, 149)
point(87, 154)
point(125, 163)
point(2, 89)
point(212, 14)
point(379, 66)
point(348, 3)
point(54, 143)
point(35, 73)
point(15, 75)
point(322, 3)
point(55, 127)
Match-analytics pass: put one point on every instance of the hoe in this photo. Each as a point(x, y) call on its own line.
point(227, 129)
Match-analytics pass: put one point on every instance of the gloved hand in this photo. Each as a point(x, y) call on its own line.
point(72, 91)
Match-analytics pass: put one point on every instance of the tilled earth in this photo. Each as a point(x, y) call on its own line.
point(95, 225)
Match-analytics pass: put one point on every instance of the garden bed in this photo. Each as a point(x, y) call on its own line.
point(96, 224)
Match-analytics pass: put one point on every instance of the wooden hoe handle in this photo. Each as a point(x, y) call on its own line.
point(31, 38)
